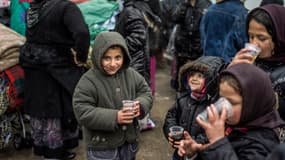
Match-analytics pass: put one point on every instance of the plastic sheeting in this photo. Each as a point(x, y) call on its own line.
point(99, 15)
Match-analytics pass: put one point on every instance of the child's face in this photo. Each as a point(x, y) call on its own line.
point(235, 98)
point(112, 60)
point(196, 81)
point(259, 35)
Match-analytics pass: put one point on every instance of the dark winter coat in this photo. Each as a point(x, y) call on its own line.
point(184, 113)
point(186, 108)
point(278, 153)
point(167, 9)
point(131, 24)
point(277, 75)
point(187, 37)
point(98, 98)
point(47, 54)
point(61, 28)
point(242, 145)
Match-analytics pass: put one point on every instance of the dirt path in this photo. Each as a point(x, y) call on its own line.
point(153, 143)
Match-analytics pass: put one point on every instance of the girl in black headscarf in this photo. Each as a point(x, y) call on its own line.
point(253, 129)
point(266, 29)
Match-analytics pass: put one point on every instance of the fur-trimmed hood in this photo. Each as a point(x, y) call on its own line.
point(210, 66)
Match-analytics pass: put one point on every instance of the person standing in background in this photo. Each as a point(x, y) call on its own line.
point(187, 15)
point(133, 22)
point(57, 43)
point(154, 40)
point(167, 9)
point(223, 29)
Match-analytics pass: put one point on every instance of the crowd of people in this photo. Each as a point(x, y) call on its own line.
point(63, 97)
point(256, 125)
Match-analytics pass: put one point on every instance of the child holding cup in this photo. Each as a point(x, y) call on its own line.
point(252, 131)
point(197, 89)
point(110, 128)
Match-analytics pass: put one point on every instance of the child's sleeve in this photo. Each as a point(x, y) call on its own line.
point(171, 119)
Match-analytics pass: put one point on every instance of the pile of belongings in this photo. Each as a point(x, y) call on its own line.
point(12, 125)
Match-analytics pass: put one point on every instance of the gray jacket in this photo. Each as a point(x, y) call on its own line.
point(98, 97)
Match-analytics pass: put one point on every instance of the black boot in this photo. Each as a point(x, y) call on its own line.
point(68, 155)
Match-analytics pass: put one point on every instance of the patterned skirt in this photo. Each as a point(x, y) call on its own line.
point(50, 139)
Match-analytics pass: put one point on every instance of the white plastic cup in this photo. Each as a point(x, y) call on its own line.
point(128, 105)
point(254, 50)
point(219, 104)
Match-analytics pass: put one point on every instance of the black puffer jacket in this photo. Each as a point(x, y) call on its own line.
point(184, 113)
point(131, 24)
point(276, 70)
point(186, 108)
point(242, 145)
point(187, 38)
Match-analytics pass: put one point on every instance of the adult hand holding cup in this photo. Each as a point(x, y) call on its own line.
point(254, 50)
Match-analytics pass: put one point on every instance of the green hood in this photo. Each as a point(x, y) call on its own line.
point(105, 40)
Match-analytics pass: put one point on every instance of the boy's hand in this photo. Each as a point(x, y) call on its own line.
point(188, 146)
point(124, 116)
point(174, 144)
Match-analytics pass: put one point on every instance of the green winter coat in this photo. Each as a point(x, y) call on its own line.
point(98, 97)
